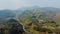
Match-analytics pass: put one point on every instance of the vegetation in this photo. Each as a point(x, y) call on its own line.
point(35, 21)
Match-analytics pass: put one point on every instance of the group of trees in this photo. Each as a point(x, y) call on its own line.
point(31, 22)
point(12, 27)
point(34, 22)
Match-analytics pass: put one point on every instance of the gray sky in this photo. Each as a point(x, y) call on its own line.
point(14, 4)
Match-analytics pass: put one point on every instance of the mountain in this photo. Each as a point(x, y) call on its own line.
point(46, 12)
point(5, 14)
point(35, 19)
point(49, 12)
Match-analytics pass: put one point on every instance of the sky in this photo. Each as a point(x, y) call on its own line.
point(14, 4)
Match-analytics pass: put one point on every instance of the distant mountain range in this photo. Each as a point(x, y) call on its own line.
point(50, 12)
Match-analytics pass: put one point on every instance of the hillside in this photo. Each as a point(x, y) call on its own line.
point(47, 17)
point(35, 19)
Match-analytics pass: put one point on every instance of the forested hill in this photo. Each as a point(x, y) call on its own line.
point(49, 12)
point(35, 19)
